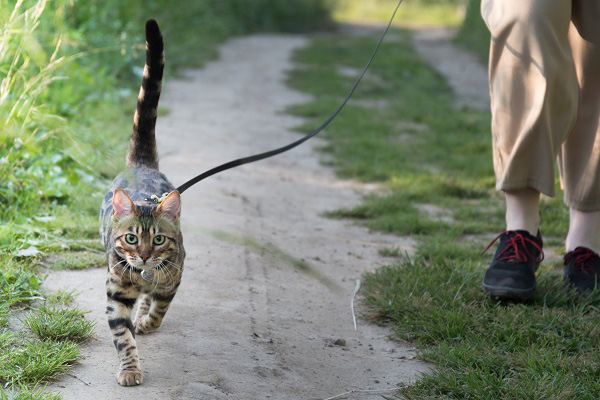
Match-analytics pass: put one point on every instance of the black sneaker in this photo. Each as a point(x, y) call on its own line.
point(582, 269)
point(511, 274)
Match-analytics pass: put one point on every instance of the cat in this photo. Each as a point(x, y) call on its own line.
point(142, 238)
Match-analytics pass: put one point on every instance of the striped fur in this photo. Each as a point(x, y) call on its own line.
point(126, 214)
point(142, 148)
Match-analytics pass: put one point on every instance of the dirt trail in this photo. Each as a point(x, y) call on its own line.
point(246, 325)
point(465, 74)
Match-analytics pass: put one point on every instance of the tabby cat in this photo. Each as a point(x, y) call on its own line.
point(142, 239)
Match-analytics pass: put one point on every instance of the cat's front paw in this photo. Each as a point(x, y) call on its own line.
point(127, 377)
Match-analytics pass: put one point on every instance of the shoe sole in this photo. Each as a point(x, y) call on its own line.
point(504, 292)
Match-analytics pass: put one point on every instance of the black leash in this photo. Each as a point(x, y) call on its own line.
point(257, 157)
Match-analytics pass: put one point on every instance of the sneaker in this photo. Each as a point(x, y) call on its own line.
point(511, 274)
point(582, 269)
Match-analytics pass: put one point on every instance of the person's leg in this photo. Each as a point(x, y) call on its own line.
point(534, 95)
point(580, 154)
point(523, 210)
point(533, 88)
point(584, 230)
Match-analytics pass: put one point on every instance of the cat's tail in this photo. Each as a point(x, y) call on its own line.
point(142, 147)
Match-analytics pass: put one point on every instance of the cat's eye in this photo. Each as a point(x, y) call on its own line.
point(131, 238)
point(159, 239)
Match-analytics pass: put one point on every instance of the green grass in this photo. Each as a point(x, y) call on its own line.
point(473, 33)
point(484, 349)
point(425, 152)
point(75, 260)
point(61, 297)
point(23, 392)
point(30, 361)
point(416, 12)
point(59, 324)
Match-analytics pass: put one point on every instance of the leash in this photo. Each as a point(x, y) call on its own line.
point(261, 156)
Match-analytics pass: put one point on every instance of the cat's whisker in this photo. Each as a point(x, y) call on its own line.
point(117, 264)
point(126, 267)
point(155, 278)
point(176, 266)
point(171, 278)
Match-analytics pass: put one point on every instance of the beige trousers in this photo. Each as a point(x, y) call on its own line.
point(545, 96)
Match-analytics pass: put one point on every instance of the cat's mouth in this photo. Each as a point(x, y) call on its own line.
point(145, 266)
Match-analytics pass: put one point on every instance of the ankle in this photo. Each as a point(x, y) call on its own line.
point(584, 230)
point(523, 210)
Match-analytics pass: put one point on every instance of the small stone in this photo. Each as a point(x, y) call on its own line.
point(340, 342)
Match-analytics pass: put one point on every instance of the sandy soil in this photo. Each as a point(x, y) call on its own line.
point(245, 324)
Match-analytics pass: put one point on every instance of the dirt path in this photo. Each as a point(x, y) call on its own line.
point(465, 74)
point(245, 324)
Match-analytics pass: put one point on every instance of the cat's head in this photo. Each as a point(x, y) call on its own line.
point(145, 236)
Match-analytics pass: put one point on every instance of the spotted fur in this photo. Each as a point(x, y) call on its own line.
point(140, 236)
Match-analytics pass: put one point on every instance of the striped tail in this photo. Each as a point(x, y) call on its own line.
point(142, 147)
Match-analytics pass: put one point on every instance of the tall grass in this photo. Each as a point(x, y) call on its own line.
point(27, 69)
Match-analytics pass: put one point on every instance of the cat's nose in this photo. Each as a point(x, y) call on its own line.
point(144, 258)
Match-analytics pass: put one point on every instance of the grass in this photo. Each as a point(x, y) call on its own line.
point(32, 361)
point(423, 151)
point(60, 297)
point(419, 12)
point(473, 33)
point(22, 392)
point(59, 324)
point(75, 260)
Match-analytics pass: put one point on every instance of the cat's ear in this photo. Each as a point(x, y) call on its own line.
point(170, 206)
point(122, 204)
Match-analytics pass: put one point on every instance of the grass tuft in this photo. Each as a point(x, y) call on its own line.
point(59, 324)
point(61, 297)
point(23, 392)
point(32, 362)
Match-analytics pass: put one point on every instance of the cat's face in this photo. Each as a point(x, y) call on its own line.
point(145, 236)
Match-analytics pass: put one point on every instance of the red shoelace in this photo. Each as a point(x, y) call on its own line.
point(581, 255)
point(516, 248)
